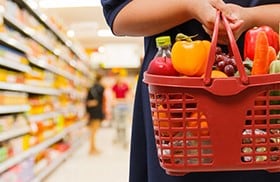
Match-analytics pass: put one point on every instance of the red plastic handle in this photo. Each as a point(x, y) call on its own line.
point(234, 48)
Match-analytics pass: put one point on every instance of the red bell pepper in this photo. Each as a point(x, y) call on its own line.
point(251, 36)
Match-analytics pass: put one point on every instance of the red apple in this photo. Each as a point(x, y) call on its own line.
point(162, 66)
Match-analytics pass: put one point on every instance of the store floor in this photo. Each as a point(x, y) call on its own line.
point(111, 165)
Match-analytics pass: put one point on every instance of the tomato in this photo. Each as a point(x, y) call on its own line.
point(190, 57)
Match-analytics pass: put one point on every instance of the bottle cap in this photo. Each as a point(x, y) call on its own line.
point(163, 41)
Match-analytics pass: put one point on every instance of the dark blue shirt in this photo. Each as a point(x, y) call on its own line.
point(144, 164)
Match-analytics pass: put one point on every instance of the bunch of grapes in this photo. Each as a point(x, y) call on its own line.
point(225, 62)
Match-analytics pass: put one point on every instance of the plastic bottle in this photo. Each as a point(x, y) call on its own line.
point(164, 46)
point(161, 64)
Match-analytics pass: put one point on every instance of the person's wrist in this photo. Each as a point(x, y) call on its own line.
point(250, 18)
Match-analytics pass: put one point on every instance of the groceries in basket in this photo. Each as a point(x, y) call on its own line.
point(187, 57)
point(225, 117)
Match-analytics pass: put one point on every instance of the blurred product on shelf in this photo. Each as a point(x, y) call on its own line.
point(13, 98)
point(44, 78)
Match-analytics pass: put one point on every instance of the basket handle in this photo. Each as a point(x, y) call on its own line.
point(234, 49)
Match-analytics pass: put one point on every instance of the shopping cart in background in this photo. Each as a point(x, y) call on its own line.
point(120, 122)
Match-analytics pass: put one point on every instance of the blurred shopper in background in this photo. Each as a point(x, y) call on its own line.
point(95, 108)
point(120, 88)
point(120, 108)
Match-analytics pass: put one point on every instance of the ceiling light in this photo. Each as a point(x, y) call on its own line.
point(68, 3)
point(105, 33)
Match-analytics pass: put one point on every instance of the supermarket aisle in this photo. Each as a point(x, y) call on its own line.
point(110, 165)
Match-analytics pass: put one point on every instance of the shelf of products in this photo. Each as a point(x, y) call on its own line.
point(56, 32)
point(13, 133)
point(13, 43)
point(59, 159)
point(45, 157)
point(42, 146)
point(4, 109)
point(44, 116)
point(28, 88)
point(13, 65)
point(44, 79)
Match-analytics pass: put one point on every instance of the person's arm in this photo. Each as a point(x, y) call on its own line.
point(146, 17)
point(256, 16)
point(263, 15)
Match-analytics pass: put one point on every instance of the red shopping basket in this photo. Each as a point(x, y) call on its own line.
point(223, 124)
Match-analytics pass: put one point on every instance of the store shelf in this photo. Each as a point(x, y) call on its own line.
point(19, 157)
point(13, 43)
point(59, 160)
point(5, 109)
point(13, 133)
point(68, 109)
point(38, 148)
point(29, 32)
point(76, 126)
point(42, 117)
point(41, 90)
point(53, 165)
point(27, 4)
point(14, 65)
point(62, 49)
point(52, 68)
point(28, 88)
point(33, 35)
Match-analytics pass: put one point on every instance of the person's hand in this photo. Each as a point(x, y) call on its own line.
point(235, 15)
point(205, 12)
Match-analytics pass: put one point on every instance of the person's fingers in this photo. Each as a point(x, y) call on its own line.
point(229, 15)
point(236, 24)
point(209, 30)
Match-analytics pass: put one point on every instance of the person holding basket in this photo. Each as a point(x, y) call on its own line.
point(151, 19)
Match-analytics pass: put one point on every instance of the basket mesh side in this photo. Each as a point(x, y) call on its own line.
point(181, 131)
point(261, 133)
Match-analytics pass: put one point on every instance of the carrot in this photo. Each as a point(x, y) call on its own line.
point(260, 66)
point(271, 56)
point(261, 54)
